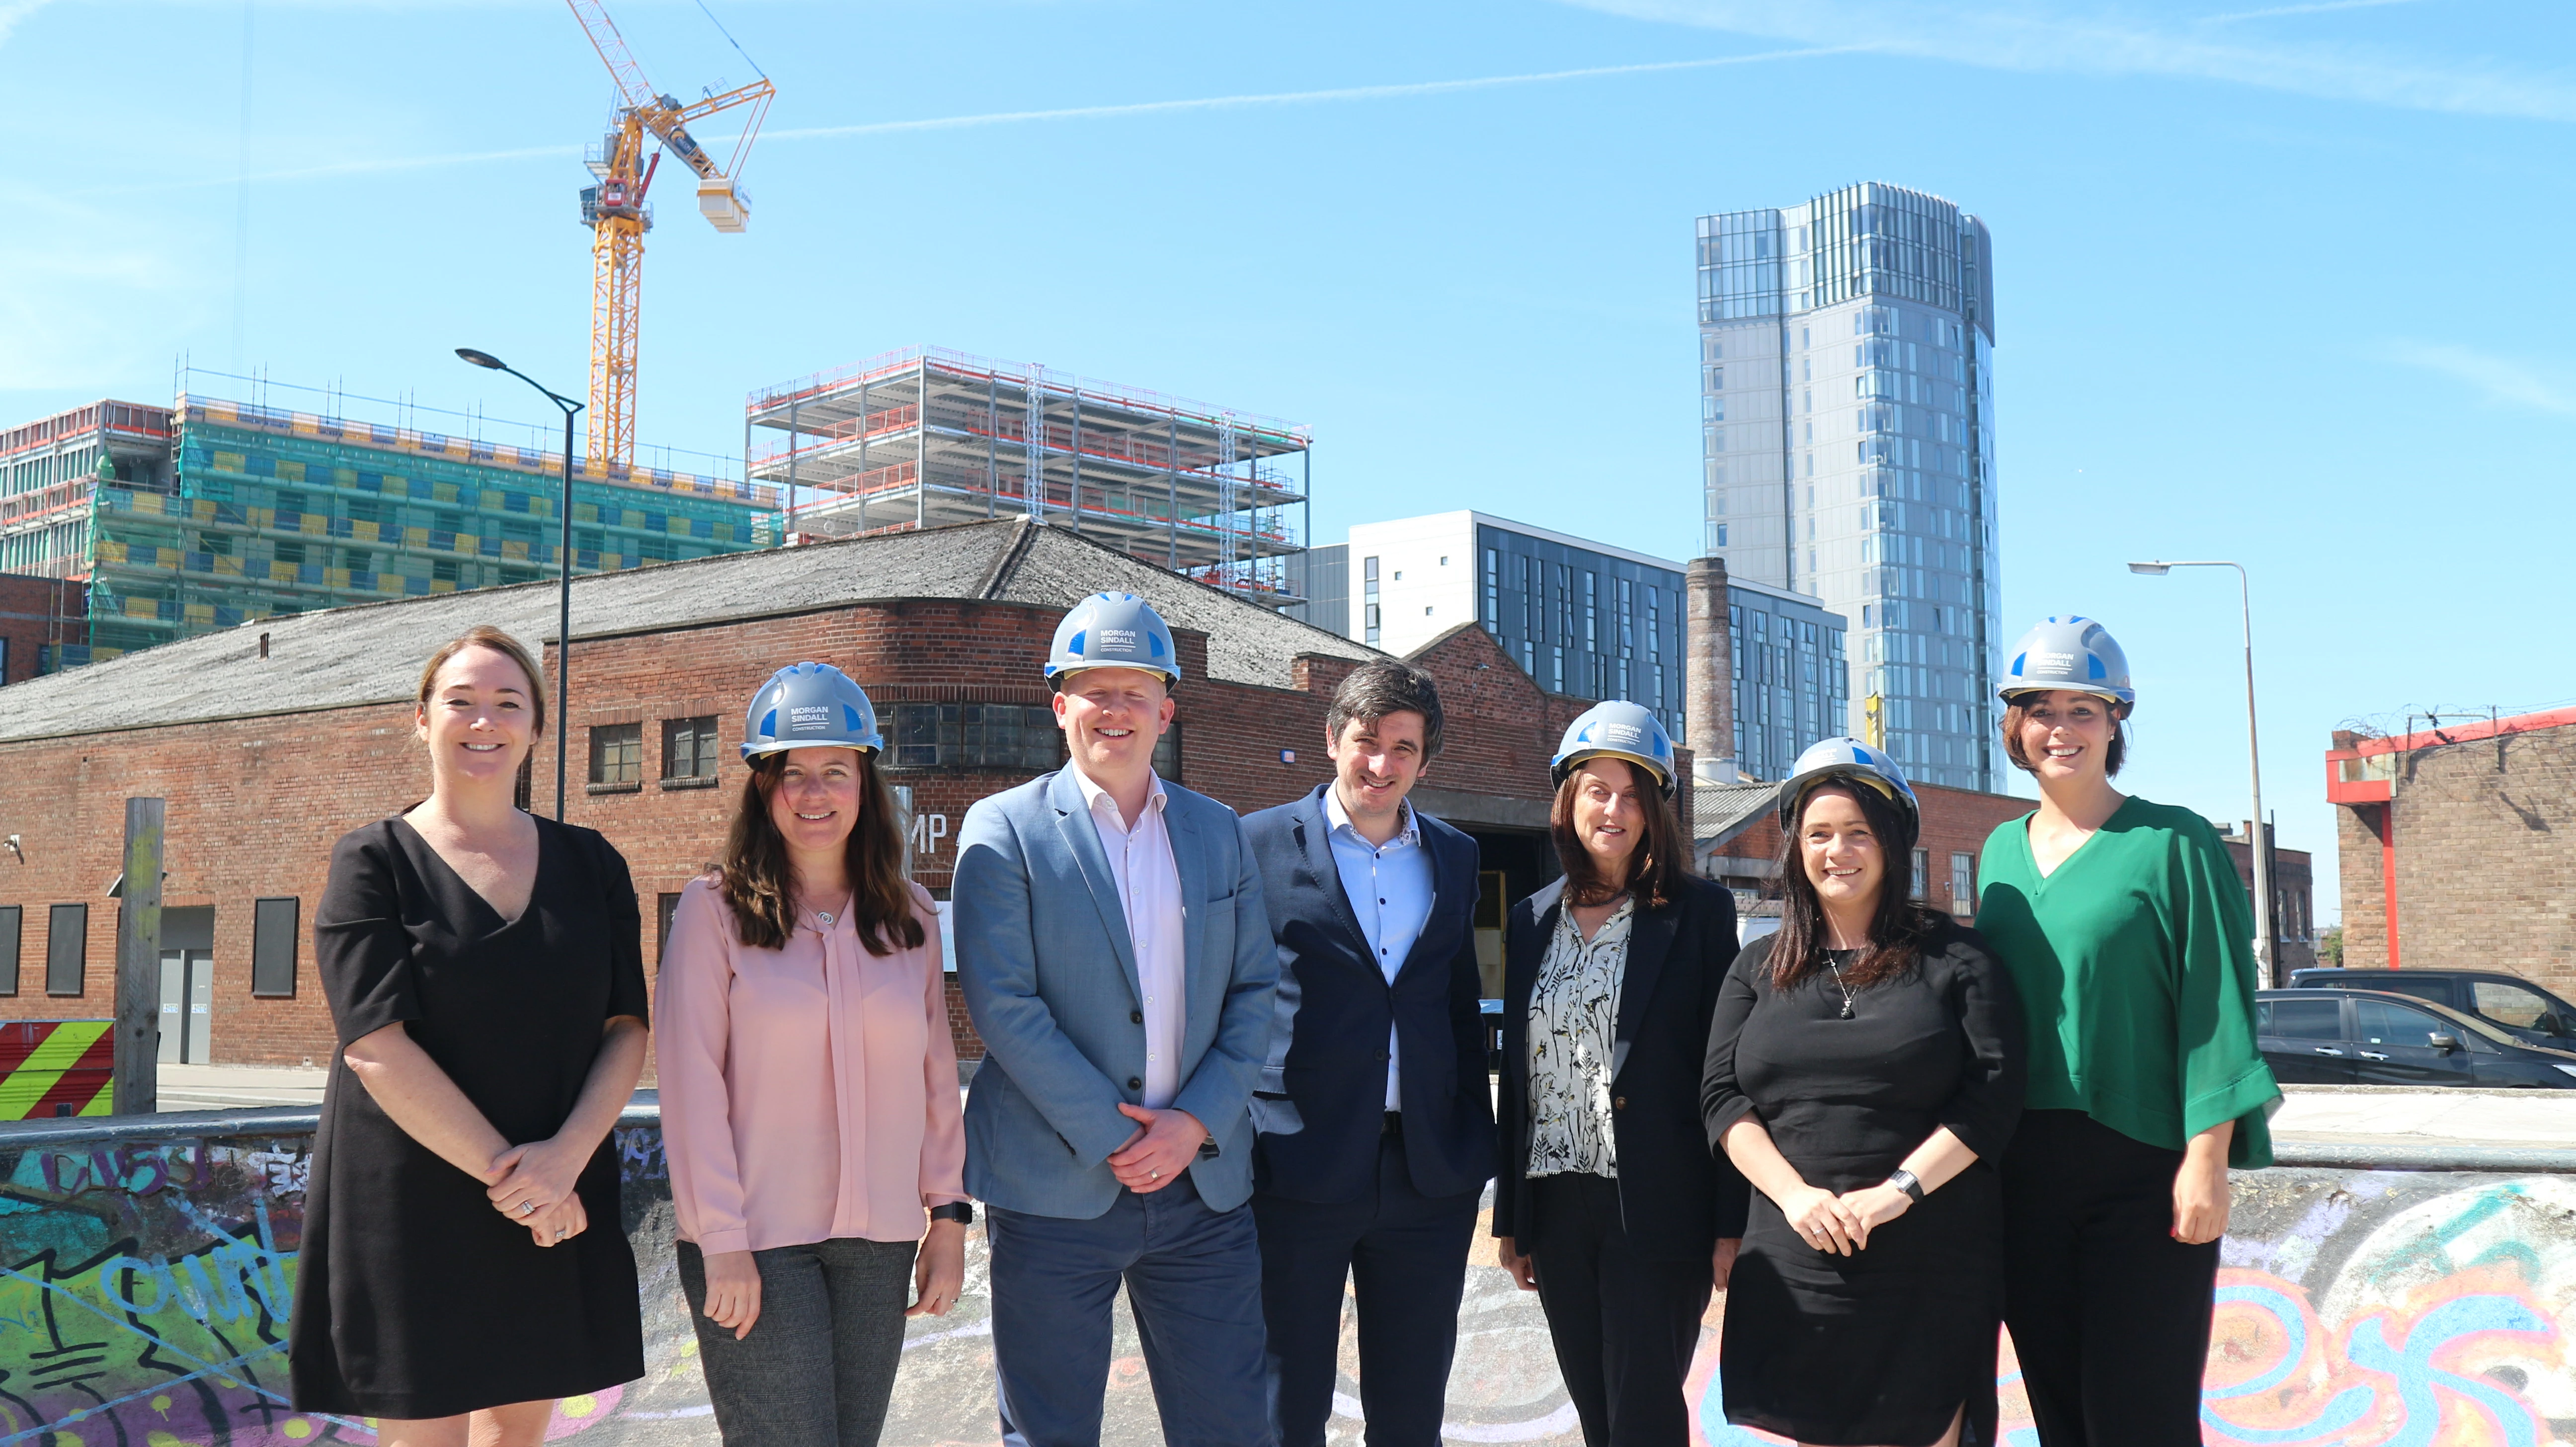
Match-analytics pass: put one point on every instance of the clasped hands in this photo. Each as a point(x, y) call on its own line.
point(1842, 1224)
point(1164, 1144)
point(532, 1184)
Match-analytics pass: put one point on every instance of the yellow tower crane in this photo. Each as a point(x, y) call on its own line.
point(614, 210)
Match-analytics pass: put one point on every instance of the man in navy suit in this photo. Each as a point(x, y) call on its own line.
point(1375, 1117)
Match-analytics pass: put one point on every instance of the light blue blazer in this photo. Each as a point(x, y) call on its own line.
point(1049, 975)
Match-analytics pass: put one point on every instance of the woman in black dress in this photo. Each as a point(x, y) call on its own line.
point(1864, 1071)
point(464, 1263)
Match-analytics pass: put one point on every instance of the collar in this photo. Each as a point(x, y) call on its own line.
point(1093, 796)
point(1612, 928)
point(1337, 819)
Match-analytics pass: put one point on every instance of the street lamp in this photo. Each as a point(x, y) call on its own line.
point(2260, 843)
point(563, 571)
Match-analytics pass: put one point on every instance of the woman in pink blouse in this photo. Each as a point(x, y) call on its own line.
point(809, 1086)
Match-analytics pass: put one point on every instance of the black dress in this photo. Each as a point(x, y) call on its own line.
point(1883, 1345)
point(414, 1298)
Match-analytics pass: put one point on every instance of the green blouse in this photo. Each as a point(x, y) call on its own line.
point(2135, 964)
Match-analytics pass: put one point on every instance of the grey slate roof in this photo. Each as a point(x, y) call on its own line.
point(1719, 812)
point(372, 653)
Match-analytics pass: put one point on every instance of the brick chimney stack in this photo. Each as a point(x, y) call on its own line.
point(1708, 708)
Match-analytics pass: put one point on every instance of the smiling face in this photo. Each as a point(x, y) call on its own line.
point(1845, 859)
point(816, 802)
point(1111, 718)
point(1609, 812)
point(2064, 736)
point(480, 717)
point(1375, 763)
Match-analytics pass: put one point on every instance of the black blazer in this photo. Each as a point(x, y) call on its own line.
point(1321, 1101)
point(1677, 1198)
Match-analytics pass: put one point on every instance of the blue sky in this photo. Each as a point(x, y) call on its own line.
point(2275, 281)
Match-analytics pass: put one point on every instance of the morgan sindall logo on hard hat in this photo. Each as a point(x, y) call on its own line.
point(1113, 630)
point(2072, 652)
point(810, 706)
point(1617, 729)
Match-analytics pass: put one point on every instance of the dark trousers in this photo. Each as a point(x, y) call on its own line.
point(818, 1365)
point(1624, 1325)
point(2109, 1314)
point(1405, 1255)
point(1193, 1280)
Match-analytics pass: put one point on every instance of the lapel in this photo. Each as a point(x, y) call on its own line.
point(1315, 838)
point(1082, 837)
point(1189, 855)
point(1650, 941)
point(1520, 967)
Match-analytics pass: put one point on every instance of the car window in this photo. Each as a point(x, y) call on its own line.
point(2437, 991)
point(2509, 1004)
point(2381, 1022)
point(2301, 1019)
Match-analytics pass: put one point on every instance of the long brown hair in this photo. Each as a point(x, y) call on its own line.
point(760, 886)
point(1656, 868)
point(1897, 927)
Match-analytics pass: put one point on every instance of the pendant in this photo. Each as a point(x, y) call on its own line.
point(1847, 1009)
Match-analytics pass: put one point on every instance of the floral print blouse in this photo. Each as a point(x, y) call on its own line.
point(1573, 1022)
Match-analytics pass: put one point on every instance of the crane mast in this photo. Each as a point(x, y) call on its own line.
point(616, 212)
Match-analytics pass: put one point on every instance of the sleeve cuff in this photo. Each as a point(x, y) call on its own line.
point(1723, 1118)
point(715, 1243)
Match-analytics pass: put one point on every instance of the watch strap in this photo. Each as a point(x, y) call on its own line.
point(1906, 1181)
point(957, 1211)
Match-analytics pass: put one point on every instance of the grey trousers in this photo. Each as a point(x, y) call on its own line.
point(818, 1366)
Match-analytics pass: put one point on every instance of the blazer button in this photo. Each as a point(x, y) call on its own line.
point(1133, 1083)
point(1381, 1055)
point(1619, 1102)
point(1135, 1017)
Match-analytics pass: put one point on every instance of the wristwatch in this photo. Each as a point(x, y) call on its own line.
point(1904, 1180)
point(957, 1211)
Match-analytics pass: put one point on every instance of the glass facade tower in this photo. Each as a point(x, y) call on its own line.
point(1847, 430)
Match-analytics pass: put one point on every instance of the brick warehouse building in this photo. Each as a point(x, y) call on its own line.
point(270, 741)
point(2458, 847)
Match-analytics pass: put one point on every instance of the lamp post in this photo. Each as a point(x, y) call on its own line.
point(2260, 842)
point(563, 571)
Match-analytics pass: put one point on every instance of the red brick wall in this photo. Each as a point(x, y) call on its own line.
point(255, 805)
point(33, 613)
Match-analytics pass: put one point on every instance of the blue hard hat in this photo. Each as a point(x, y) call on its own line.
point(1616, 730)
point(1114, 630)
point(1830, 761)
point(2072, 653)
point(810, 706)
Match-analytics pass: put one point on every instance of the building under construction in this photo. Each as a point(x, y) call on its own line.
point(207, 514)
point(926, 436)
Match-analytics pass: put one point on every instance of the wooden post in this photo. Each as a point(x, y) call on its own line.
point(138, 962)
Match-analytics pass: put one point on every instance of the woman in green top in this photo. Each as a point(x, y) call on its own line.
point(2127, 931)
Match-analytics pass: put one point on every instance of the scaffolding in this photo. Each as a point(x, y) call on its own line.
point(927, 436)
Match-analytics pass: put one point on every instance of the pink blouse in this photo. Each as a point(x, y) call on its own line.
point(809, 1091)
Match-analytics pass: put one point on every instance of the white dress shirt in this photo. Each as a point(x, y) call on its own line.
point(1390, 888)
point(1149, 894)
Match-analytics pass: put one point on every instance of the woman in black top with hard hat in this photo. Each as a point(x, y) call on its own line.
point(1607, 1200)
point(1864, 1072)
point(2127, 931)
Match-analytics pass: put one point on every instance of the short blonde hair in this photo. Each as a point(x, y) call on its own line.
point(484, 635)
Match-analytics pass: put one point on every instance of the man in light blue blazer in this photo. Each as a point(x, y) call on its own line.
point(1116, 959)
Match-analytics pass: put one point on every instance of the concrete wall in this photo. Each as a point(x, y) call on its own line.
point(145, 1278)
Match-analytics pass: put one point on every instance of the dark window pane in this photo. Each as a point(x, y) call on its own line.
point(2377, 1022)
point(66, 948)
point(665, 906)
point(617, 753)
point(273, 928)
point(2306, 1019)
point(689, 748)
point(12, 922)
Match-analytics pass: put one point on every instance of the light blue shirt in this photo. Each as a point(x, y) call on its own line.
point(1390, 889)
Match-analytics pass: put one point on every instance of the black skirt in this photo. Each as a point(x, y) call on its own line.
point(413, 1297)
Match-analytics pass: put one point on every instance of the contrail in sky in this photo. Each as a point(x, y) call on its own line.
point(1005, 118)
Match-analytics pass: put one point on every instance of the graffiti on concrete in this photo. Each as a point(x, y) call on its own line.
point(145, 1286)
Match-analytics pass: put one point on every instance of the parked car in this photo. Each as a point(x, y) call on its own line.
point(2508, 1002)
point(2373, 1037)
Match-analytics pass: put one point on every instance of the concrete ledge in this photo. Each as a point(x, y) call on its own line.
point(2415, 1153)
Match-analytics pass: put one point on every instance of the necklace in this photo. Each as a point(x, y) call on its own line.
point(1836, 966)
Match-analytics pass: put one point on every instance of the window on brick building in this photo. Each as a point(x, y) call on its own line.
point(273, 925)
point(1922, 873)
point(664, 906)
point(689, 748)
point(617, 754)
point(972, 736)
point(66, 948)
point(12, 921)
point(1167, 754)
point(1963, 884)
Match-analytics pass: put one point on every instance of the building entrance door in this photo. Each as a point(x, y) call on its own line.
point(187, 1007)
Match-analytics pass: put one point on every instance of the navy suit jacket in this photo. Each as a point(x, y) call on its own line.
point(1321, 1102)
